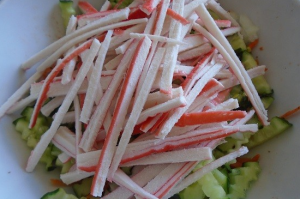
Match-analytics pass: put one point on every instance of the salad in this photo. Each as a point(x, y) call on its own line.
point(179, 99)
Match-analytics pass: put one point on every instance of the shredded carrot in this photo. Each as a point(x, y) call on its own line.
point(253, 44)
point(241, 160)
point(57, 183)
point(291, 112)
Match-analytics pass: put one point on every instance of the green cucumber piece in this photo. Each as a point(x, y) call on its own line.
point(267, 101)
point(58, 194)
point(222, 178)
point(237, 42)
point(21, 124)
point(83, 187)
point(67, 10)
point(27, 112)
point(277, 126)
point(194, 191)
point(211, 186)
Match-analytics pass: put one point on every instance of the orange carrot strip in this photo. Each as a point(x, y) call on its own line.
point(177, 17)
point(291, 112)
point(58, 183)
point(253, 44)
point(209, 117)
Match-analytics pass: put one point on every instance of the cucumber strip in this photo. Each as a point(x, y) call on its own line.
point(277, 126)
point(67, 11)
point(58, 194)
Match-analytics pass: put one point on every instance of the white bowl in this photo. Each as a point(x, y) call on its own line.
point(29, 26)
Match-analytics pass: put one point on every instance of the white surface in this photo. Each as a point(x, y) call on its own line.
point(28, 26)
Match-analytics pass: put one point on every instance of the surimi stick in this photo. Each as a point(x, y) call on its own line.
point(110, 19)
point(91, 95)
point(97, 119)
point(235, 64)
point(176, 114)
point(205, 169)
point(172, 51)
point(184, 155)
point(126, 93)
point(48, 135)
point(136, 111)
point(53, 104)
point(51, 59)
point(21, 104)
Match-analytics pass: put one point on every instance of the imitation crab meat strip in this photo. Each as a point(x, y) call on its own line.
point(110, 19)
point(184, 155)
point(19, 93)
point(106, 5)
point(214, 6)
point(69, 68)
point(20, 105)
point(190, 7)
point(58, 89)
point(122, 48)
point(162, 108)
point(149, 123)
point(139, 150)
point(155, 38)
point(113, 64)
point(68, 118)
point(136, 110)
point(158, 98)
point(208, 92)
point(120, 112)
point(230, 31)
point(119, 39)
point(121, 179)
point(141, 179)
point(64, 158)
point(172, 50)
point(196, 175)
point(209, 117)
point(195, 52)
point(97, 119)
point(75, 176)
point(191, 41)
point(235, 64)
point(48, 135)
point(149, 6)
point(158, 17)
point(48, 108)
point(64, 139)
point(46, 84)
point(253, 72)
point(171, 176)
point(78, 127)
point(51, 59)
point(177, 113)
point(86, 7)
point(227, 105)
point(91, 94)
point(197, 72)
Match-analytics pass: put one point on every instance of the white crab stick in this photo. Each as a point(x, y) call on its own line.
point(136, 111)
point(120, 112)
point(64, 139)
point(91, 94)
point(205, 169)
point(235, 64)
point(97, 119)
point(184, 155)
point(47, 137)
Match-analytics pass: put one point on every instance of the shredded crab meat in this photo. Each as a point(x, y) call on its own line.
point(142, 90)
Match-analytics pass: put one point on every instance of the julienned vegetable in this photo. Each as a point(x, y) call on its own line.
point(151, 88)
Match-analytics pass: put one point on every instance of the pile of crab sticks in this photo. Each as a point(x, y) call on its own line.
point(149, 88)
